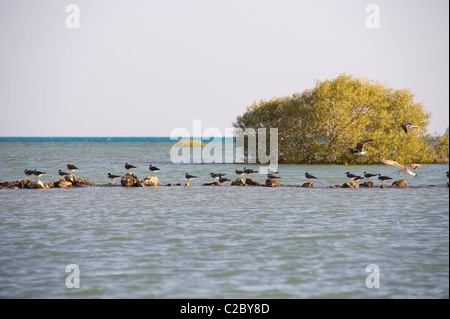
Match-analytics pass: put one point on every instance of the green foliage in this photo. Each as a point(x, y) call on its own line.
point(440, 150)
point(319, 125)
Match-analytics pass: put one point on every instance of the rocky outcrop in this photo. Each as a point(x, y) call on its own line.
point(399, 184)
point(63, 184)
point(212, 184)
point(238, 182)
point(148, 182)
point(37, 185)
point(70, 178)
point(350, 185)
point(368, 184)
point(129, 179)
point(251, 182)
point(188, 184)
point(308, 185)
point(336, 186)
point(272, 183)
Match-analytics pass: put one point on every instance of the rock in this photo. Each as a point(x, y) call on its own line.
point(82, 183)
point(188, 184)
point(170, 185)
point(70, 178)
point(149, 181)
point(272, 183)
point(399, 184)
point(251, 182)
point(63, 184)
point(308, 185)
point(382, 186)
point(368, 184)
point(336, 186)
point(49, 185)
point(350, 185)
point(129, 179)
point(238, 182)
point(37, 184)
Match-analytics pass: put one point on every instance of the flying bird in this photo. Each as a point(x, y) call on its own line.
point(406, 170)
point(406, 126)
point(359, 148)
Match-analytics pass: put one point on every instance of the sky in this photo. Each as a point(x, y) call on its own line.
point(145, 68)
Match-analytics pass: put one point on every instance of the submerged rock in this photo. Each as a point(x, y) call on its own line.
point(188, 184)
point(399, 184)
point(350, 185)
point(308, 185)
point(216, 183)
point(37, 184)
point(272, 183)
point(336, 186)
point(149, 181)
point(238, 182)
point(129, 179)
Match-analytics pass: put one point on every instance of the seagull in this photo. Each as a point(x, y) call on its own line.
point(359, 148)
point(215, 176)
point(309, 176)
point(350, 175)
point(223, 181)
point(30, 172)
point(369, 175)
point(240, 173)
point(71, 167)
point(383, 178)
point(249, 172)
point(189, 177)
point(129, 167)
point(406, 170)
point(38, 173)
point(61, 173)
point(153, 169)
point(113, 177)
point(406, 126)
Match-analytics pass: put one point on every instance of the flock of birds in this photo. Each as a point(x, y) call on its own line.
point(219, 177)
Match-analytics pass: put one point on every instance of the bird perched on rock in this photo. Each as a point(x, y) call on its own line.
point(29, 172)
point(406, 170)
point(249, 172)
point(129, 167)
point(309, 176)
point(383, 178)
point(239, 173)
point(223, 180)
point(189, 177)
point(350, 175)
point(369, 175)
point(272, 176)
point(216, 176)
point(358, 178)
point(71, 167)
point(406, 126)
point(359, 148)
point(61, 173)
point(38, 173)
point(112, 178)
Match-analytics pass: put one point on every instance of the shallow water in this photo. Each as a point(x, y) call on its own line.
point(216, 242)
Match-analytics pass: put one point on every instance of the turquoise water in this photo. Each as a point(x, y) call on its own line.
point(215, 242)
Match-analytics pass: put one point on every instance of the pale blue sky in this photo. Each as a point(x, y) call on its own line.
point(143, 68)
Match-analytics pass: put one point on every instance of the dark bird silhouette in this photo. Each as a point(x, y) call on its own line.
point(71, 167)
point(350, 175)
point(369, 175)
point(383, 178)
point(189, 177)
point(112, 178)
point(29, 172)
point(223, 180)
point(153, 169)
point(249, 172)
point(359, 148)
point(129, 167)
point(309, 176)
point(61, 173)
point(38, 173)
point(239, 172)
point(216, 176)
point(406, 126)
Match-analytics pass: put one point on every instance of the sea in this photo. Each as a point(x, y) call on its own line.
point(180, 242)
